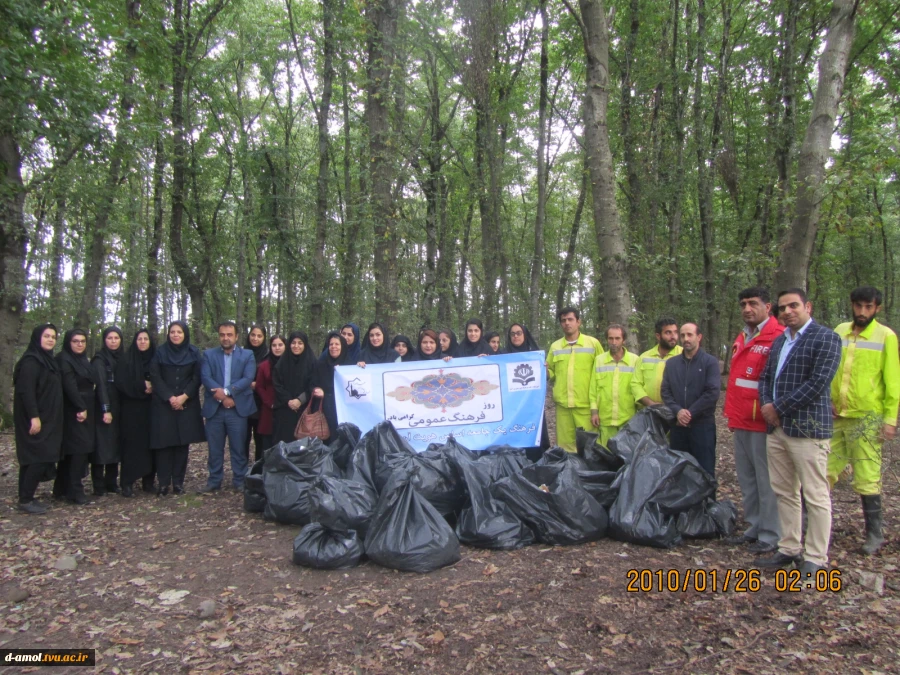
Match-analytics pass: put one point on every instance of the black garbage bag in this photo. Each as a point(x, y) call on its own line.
point(655, 420)
point(376, 445)
point(595, 455)
point(254, 489)
point(408, 534)
point(318, 547)
point(341, 504)
point(288, 471)
point(432, 473)
point(599, 482)
point(487, 522)
point(344, 440)
point(707, 520)
point(656, 485)
point(551, 500)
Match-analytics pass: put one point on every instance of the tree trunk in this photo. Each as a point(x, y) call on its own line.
point(351, 216)
point(320, 282)
point(569, 262)
point(94, 266)
point(801, 237)
point(613, 278)
point(57, 261)
point(12, 262)
point(383, 17)
point(156, 236)
point(537, 261)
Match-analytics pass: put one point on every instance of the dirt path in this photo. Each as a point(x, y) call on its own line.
point(145, 565)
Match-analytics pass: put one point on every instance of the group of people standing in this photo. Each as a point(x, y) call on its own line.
point(803, 402)
point(131, 414)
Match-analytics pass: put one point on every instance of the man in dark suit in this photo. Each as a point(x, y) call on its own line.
point(227, 372)
point(795, 394)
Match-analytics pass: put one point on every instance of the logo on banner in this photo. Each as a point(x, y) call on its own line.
point(523, 376)
point(357, 388)
point(442, 391)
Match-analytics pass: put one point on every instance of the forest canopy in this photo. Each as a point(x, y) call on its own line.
point(304, 163)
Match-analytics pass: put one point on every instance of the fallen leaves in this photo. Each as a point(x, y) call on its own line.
point(172, 597)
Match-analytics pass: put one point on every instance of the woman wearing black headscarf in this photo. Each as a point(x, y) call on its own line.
point(175, 418)
point(448, 343)
point(403, 346)
point(375, 347)
point(37, 414)
point(335, 355)
point(473, 343)
point(79, 382)
point(265, 389)
point(429, 348)
point(106, 456)
point(135, 396)
point(293, 382)
point(256, 342)
point(493, 341)
point(518, 339)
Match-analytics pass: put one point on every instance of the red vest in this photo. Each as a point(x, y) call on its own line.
point(747, 364)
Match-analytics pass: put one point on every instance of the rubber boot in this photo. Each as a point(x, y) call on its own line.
point(872, 513)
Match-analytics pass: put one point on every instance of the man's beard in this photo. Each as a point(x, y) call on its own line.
point(863, 321)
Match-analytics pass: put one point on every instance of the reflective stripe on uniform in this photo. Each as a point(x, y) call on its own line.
point(746, 384)
point(609, 369)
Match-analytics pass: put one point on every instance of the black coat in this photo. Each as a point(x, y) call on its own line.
point(106, 438)
point(693, 384)
point(169, 427)
point(38, 393)
point(134, 427)
point(78, 395)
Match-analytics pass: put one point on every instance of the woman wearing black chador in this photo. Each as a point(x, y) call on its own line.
point(37, 414)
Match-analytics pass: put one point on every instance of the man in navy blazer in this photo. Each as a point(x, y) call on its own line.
point(227, 372)
point(795, 393)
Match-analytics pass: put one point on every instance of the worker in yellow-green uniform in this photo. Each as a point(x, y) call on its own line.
point(612, 403)
point(570, 363)
point(647, 381)
point(865, 393)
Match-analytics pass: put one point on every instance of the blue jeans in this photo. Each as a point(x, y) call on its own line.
point(226, 422)
point(699, 441)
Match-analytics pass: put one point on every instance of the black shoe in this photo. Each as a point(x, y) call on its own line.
point(162, 492)
point(99, 492)
point(116, 490)
point(34, 507)
point(80, 499)
point(761, 547)
point(128, 491)
point(148, 487)
point(809, 569)
point(739, 540)
point(778, 561)
point(207, 490)
point(178, 490)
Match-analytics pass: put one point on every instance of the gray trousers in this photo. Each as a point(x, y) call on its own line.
point(760, 504)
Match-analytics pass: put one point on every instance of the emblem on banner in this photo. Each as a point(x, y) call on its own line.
point(523, 374)
point(357, 388)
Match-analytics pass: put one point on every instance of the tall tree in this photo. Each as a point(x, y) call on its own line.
point(801, 237)
point(613, 274)
point(382, 17)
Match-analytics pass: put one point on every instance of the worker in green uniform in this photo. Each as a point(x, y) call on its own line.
point(570, 363)
point(612, 403)
point(865, 393)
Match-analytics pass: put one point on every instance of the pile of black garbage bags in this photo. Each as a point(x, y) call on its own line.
point(374, 496)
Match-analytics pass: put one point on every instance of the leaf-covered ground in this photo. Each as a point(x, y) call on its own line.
point(145, 566)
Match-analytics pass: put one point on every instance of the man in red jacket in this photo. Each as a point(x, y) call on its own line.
point(742, 410)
